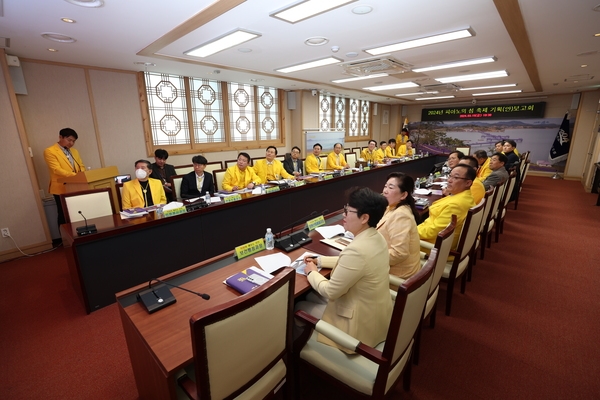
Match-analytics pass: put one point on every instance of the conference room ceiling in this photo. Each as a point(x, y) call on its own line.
point(541, 45)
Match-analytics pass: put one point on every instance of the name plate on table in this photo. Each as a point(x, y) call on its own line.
point(366, 168)
point(232, 198)
point(348, 172)
point(272, 189)
point(315, 223)
point(250, 248)
point(300, 183)
point(327, 177)
point(175, 211)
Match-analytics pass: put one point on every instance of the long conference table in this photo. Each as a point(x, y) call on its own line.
point(130, 252)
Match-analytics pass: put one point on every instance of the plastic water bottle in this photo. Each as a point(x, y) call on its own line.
point(159, 213)
point(430, 180)
point(417, 184)
point(269, 240)
point(207, 197)
point(360, 167)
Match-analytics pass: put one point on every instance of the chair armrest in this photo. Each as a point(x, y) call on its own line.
point(396, 281)
point(423, 255)
point(393, 294)
point(427, 245)
point(455, 253)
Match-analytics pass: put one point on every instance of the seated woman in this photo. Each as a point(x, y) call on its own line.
point(355, 298)
point(399, 226)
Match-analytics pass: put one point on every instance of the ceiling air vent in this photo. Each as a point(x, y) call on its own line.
point(377, 65)
point(441, 88)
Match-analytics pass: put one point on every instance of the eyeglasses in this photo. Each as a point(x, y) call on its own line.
point(346, 211)
point(457, 177)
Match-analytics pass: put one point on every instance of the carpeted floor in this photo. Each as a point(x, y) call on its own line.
point(527, 326)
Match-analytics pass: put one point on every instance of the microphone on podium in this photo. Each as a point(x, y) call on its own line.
point(87, 229)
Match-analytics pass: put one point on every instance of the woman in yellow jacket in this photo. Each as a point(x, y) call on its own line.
point(143, 191)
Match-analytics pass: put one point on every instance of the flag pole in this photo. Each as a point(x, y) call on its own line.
point(564, 128)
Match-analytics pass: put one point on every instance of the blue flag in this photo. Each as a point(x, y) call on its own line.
point(562, 143)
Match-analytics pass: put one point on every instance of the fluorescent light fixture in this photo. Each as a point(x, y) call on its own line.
point(416, 93)
point(359, 78)
point(434, 98)
point(394, 86)
point(473, 77)
point(490, 87)
point(310, 64)
point(307, 8)
point(445, 37)
point(455, 64)
point(221, 43)
point(493, 93)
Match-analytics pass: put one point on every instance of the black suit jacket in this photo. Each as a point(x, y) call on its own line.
point(169, 172)
point(288, 165)
point(189, 189)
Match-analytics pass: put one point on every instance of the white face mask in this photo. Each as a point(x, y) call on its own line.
point(140, 173)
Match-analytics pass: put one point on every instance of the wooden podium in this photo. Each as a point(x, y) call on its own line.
point(93, 179)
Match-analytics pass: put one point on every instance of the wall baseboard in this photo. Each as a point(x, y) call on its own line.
point(30, 249)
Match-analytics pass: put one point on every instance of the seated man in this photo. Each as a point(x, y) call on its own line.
point(313, 161)
point(477, 188)
point(499, 173)
point(270, 169)
point(380, 153)
point(483, 162)
point(458, 202)
point(241, 175)
point(335, 159)
point(143, 191)
point(368, 154)
point(197, 182)
point(390, 150)
point(509, 148)
point(293, 164)
point(406, 150)
point(163, 172)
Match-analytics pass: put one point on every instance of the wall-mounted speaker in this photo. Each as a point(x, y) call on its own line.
point(16, 74)
point(375, 109)
point(575, 101)
point(291, 100)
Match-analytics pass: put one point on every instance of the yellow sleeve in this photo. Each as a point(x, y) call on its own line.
point(229, 180)
point(54, 164)
point(126, 196)
point(388, 152)
point(253, 177)
point(379, 156)
point(402, 150)
point(158, 192)
point(331, 161)
point(260, 168)
point(311, 164)
point(281, 171)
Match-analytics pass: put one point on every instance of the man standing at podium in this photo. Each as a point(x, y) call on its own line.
point(63, 161)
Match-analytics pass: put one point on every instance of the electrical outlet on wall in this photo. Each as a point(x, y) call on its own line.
point(5, 232)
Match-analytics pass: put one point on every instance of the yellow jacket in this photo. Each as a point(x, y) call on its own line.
point(379, 156)
point(60, 167)
point(390, 152)
point(236, 177)
point(312, 164)
point(399, 229)
point(133, 197)
point(268, 172)
point(404, 152)
point(332, 161)
point(358, 294)
point(400, 139)
point(484, 170)
point(477, 191)
point(440, 214)
point(368, 155)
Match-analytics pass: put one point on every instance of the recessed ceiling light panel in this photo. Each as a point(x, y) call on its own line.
point(87, 3)
point(223, 42)
point(490, 87)
point(434, 98)
point(359, 78)
point(493, 93)
point(307, 9)
point(391, 87)
point(410, 44)
point(455, 64)
point(473, 77)
point(311, 64)
point(58, 37)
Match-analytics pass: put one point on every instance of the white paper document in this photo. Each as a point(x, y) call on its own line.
point(299, 265)
point(273, 262)
point(330, 231)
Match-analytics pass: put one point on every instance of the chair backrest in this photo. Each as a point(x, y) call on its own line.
point(356, 150)
point(406, 317)
point(213, 166)
point(184, 169)
point(489, 203)
point(524, 172)
point(323, 162)
point(255, 159)
point(443, 245)
point(230, 163)
point(470, 229)
point(176, 185)
point(119, 189)
point(92, 203)
point(351, 159)
point(510, 185)
point(218, 175)
point(280, 157)
point(238, 342)
point(500, 189)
